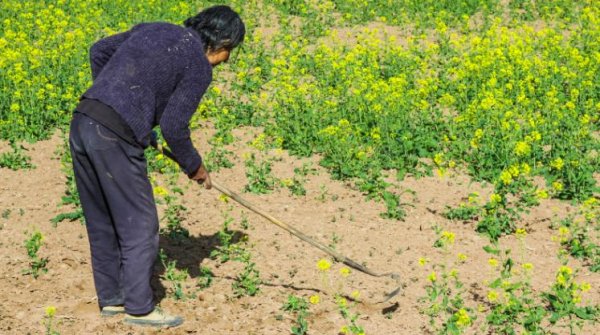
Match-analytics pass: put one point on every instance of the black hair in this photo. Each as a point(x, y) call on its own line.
point(220, 27)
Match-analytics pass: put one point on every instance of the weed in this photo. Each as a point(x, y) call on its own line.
point(247, 283)
point(15, 160)
point(175, 277)
point(299, 307)
point(173, 215)
point(49, 321)
point(260, 180)
point(205, 278)
point(37, 265)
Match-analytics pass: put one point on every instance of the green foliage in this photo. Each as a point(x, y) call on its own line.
point(513, 303)
point(575, 239)
point(227, 249)
point(176, 278)
point(349, 316)
point(15, 160)
point(299, 307)
point(173, 215)
point(205, 278)
point(563, 299)
point(37, 265)
point(260, 180)
point(247, 282)
point(71, 196)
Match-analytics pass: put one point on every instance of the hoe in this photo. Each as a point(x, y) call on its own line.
point(337, 256)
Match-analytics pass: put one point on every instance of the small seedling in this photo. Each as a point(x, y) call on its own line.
point(48, 321)
point(298, 306)
point(173, 276)
point(205, 278)
point(37, 265)
point(248, 281)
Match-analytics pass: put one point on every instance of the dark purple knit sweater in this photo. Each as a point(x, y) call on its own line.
point(153, 74)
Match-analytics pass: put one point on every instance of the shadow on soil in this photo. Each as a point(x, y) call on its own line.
point(189, 252)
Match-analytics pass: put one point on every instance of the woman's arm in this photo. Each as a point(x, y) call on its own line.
point(102, 51)
point(175, 121)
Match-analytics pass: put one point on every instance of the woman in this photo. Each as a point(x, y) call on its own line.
point(154, 74)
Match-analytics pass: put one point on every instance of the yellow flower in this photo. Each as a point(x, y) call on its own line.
point(492, 296)
point(462, 318)
point(355, 294)
point(345, 272)
point(521, 233)
point(557, 163)
point(448, 237)
point(506, 177)
point(522, 148)
point(493, 262)
point(160, 191)
point(432, 277)
point(50, 311)
point(314, 299)
point(563, 232)
point(462, 257)
point(557, 186)
point(422, 261)
point(526, 168)
point(495, 198)
point(223, 198)
point(585, 286)
point(541, 194)
point(344, 330)
point(565, 270)
point(527, 266)
point(323, 264)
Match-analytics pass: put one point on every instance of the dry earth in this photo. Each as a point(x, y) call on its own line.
point(286, 264)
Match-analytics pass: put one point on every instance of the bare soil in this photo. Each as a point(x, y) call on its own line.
point(332, 212)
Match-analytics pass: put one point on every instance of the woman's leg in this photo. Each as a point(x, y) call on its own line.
point(104, 246)
point(121, 172)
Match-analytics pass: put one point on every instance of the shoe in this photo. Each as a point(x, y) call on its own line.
point(156, 318)
point(112, 310)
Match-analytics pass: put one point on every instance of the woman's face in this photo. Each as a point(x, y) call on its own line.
point(217, 57)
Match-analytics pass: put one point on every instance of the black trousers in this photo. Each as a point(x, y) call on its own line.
point(120, 213)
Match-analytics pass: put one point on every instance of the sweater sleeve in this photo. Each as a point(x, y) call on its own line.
point(175, 120)
point(102, 51)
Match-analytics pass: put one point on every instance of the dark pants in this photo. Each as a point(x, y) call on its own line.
point(120, 214)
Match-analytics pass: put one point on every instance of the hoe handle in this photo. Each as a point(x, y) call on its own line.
point(337, 256)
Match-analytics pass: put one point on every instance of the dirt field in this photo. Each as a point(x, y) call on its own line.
point(330, 212)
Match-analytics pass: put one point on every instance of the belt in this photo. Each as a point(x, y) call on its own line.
point(108, 117)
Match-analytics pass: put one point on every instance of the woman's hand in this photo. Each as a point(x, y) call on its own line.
point(202, 177)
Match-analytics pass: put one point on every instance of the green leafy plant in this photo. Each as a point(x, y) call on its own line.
point(564, 300)
point(260, 180)
point(227, 249)
point(175, 277)
point(444, 301)
point(15, 160)
point(173, 215)
point(37, 265)
point(299, 307)
point(512, 301)
point(71, 196)
point(205, 278)
point(49, 321)
point(247, 282)
point(345, 309)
